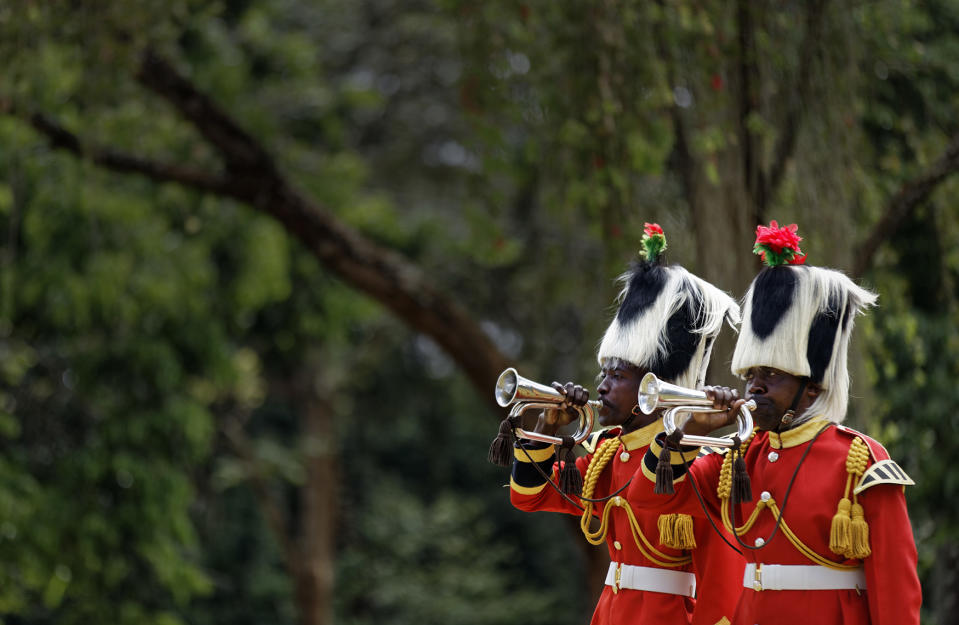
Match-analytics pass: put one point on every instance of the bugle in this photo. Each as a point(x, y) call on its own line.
point(654, 393)
point(523, 394)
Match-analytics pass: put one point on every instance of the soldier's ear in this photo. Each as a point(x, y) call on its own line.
point(813, 390)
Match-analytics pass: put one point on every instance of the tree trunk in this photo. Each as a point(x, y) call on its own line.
point(314, 564)
point(724, 228)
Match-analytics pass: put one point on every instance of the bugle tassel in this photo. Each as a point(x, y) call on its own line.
point(742, 488)
point(501, 449)
point(664, 467)
point(570, 479)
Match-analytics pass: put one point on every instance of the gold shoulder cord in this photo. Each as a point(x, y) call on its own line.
point(849, 534)
point(604, 453)
point(725, 487)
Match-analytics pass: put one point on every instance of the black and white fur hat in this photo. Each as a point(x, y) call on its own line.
point(799, 319)
point(667, 320)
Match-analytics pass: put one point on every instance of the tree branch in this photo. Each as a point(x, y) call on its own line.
point(121, 162)
point(252, 177)
point(910, 195)
point(61, 138)
point(384, 275)
point(239, 150)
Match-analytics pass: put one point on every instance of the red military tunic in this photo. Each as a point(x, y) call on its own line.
point(718, 592)
point(808, 504)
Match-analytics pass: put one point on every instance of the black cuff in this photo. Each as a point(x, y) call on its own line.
point(531, 460)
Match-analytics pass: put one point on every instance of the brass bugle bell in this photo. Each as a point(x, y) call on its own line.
point(523, 394)
point(654, 393)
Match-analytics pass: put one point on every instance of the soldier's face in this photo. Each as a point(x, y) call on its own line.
point(774, 391)
point(618, 391)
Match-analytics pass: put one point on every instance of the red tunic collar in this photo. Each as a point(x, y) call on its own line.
point(798, 435)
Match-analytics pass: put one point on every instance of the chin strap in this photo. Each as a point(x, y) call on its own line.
point(635, 412)
point(790, 415)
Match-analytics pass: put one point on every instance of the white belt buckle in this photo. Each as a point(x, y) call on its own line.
point(758, 577)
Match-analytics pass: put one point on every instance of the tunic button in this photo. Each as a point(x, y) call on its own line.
point(773, 456)
point(765, 496)
point(624, 456)
point(760, 542)
point(618, 545)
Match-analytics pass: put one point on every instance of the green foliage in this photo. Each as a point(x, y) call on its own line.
point(431, 562)
point(429, 533)
point(913, 347)
point(122, 317)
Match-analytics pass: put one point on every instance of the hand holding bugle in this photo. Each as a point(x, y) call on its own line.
point(655, 394)
point(523, 394)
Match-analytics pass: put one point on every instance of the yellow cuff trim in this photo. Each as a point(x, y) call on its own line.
point(527, 490)
point(675, 457)
point(651, 475)
point(534, 455)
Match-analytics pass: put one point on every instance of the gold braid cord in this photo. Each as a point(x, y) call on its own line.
point(604, 453)
point(725, 486)
point(849, 534)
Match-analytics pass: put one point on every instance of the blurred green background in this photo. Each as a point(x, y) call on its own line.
point(261, 262)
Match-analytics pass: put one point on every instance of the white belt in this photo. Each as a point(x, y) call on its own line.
point(801, 577)
point(648, 578)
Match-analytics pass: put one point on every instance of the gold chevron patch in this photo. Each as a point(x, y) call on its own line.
point(705, 451)
point(592, 441)
point(883, 472)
